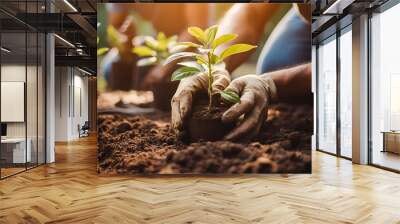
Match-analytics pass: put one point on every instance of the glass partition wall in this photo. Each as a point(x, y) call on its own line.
point(385, 89)
point(22, 77)
point(326, 71)
point(334, 90)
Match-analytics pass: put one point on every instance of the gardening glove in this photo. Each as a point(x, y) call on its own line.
point(257, 92)
point(181, 103)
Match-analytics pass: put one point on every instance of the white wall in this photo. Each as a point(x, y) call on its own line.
point(71, 93)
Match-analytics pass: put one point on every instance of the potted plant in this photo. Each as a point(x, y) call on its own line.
point(205, 121)
point(154, 51)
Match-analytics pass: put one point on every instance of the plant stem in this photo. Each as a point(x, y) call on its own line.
point(210, 81)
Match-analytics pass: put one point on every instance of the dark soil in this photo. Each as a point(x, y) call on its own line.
point(148, 145)
point(205, 124)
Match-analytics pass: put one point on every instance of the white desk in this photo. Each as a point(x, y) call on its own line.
point(16, 147)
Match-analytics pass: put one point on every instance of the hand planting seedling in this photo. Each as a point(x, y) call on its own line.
point(206, 68)
point(155, 51)
point(205, 60)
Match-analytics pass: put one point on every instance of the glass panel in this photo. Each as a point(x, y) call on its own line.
point(41, 99)
point(13, 86)
point(327, 97)
point(385, 84)
point(31, 97)
point(346, 94)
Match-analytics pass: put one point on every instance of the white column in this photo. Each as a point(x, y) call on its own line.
point(360, 90)
point(50, 99)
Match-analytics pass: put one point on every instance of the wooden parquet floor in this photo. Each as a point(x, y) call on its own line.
point(71, 191)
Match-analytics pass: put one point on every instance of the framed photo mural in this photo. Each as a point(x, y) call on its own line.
point(204, 88)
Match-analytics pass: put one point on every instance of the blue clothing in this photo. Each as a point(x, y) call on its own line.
point(288, 45)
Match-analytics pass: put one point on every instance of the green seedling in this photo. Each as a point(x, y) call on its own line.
point(155, 50)
point(102, 50)
point(204, 60)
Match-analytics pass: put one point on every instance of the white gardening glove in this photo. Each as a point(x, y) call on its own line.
point(181, 103)
point(256, 93)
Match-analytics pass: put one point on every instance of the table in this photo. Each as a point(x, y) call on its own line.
point(391, 141)
point(13, 150)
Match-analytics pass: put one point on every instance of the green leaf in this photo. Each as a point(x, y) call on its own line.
point(214, 59)
point(102, 51)
point(223, 39)
point(201, 60)
point(235, 49)
point(183, 72)
point(179, 55)
point(146, 61)
point(189, 44)
point(230, 96)
point(152, 43)
point(210, 33)
point(176, 48)
point(198, 33)
point(115, 37)
point(143, 51)
point(161, 36)
point(192, 64)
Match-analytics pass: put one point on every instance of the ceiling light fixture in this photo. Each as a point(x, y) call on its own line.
point(65, 41)
point(337, 7)
point(5, 50)
point(84, 71)
point(70, 5)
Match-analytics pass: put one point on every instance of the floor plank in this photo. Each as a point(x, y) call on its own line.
point(71, 191)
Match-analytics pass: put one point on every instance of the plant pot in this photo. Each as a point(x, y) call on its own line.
point(138, 75)
point(163, 93)
point(205, 125)
point(121, 75)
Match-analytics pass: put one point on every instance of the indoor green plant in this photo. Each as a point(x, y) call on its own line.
point(205, 60)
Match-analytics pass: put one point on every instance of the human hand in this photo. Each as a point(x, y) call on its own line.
point(256, 93)
point(181, 103)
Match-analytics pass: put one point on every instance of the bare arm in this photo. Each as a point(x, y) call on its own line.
point(248, 22)
point(293, 84)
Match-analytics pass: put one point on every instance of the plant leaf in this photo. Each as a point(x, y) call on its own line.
point(143, 51)
point(214, 59)
point(210, 33)
point(230, 96)
point(223, 39)
point(176, 48)
point(151, 43)
point(183, 72)
point(192, 64)
point(146, 61)
point(102, 51)
point(115, 37)
point(198, 33)
point(189, 44)
point(179, 55)
point(235, 49)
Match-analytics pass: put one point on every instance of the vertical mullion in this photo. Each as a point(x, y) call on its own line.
point(369, 100)
point(37, 90)
point(338, 77)
point(26, 85)
point(317, 96)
